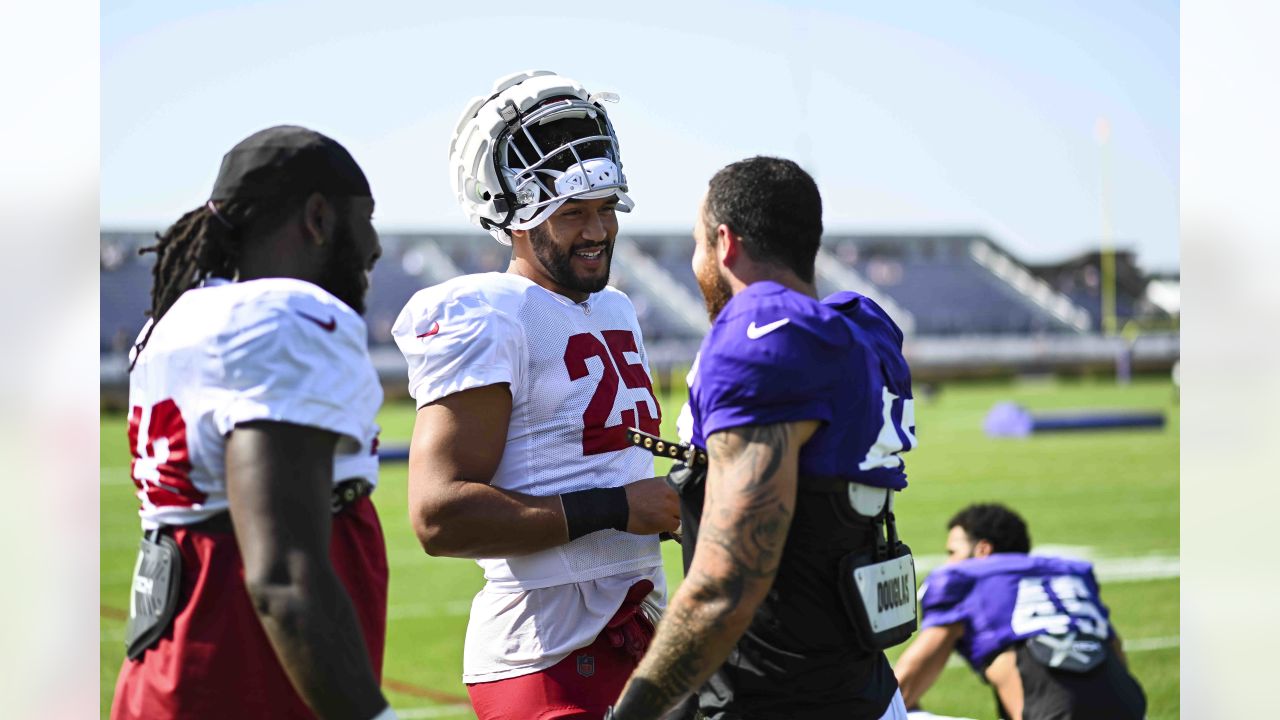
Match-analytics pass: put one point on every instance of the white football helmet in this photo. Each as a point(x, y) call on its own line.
point(499, 185)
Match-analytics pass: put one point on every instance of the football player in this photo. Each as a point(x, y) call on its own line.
point(260, 587)
point(795, 580)
point(1033, 627)
point(526, 382)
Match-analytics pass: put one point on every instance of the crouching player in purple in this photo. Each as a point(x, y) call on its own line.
point(1032, 626)
point(802, 408)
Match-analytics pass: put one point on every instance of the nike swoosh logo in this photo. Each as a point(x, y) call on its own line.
point(330, 326)
point(755, 333)
point(435, 328)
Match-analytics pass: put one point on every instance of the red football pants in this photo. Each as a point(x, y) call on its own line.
point(215, 660)
point(581, 686)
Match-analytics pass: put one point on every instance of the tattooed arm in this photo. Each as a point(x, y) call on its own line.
point(751, 495)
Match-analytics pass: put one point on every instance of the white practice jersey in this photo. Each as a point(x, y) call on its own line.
point(579, 377)
point(226, 353)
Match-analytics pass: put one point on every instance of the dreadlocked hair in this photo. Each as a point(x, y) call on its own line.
point(200, 245)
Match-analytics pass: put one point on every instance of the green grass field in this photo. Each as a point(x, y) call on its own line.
point(1115, 493)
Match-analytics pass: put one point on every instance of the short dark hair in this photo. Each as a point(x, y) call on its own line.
point(995, 523)
point(202, 244)
point(774, 206)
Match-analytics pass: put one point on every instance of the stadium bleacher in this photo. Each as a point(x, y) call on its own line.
point(955, 295)
point(125, 289)
point(1080, 279)
point(673, 253)
point(402, 271)
point(939, 280)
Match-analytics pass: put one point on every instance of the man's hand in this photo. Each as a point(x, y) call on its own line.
point(654, 506)
point(458, 443)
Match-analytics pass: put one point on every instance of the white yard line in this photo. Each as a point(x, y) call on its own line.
point(1155, 643)
point(1137, 568)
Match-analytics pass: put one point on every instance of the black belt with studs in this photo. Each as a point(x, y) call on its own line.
point(686, 453)
point(344, 495)
point(347, 492)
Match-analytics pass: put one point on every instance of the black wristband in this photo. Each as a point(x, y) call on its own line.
point(587, 511)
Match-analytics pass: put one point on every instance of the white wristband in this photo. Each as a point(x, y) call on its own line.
point(386, 714)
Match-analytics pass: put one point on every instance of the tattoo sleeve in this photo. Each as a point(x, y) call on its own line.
point(751, 491)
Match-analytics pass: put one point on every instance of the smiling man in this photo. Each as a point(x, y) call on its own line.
point(526, 382)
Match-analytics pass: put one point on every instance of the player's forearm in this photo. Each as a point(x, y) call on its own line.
point(750, 499)
point(312, 625)
point(916, 673)
point(1003, 675)
point(476, 520)
point(923, 661)
point(706, 617)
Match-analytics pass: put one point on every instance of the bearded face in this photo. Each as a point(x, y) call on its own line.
point(346, 271)
point(715, 288)
point(574, 264)
point(716, 291)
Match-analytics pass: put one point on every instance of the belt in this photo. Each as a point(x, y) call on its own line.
point(344, 495)
point(347, 492)
point(686, 453)
point(696, 457)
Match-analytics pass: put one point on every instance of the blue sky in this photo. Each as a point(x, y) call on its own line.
point(912, 116)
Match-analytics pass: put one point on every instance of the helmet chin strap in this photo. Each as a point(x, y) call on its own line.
point(587, 180)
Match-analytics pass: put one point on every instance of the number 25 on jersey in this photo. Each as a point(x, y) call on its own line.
point(596, 437)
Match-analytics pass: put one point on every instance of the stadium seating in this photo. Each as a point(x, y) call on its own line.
point(674, 253)
point(948, 288)
point(957, 296)
point(403, 270)
point(125, 289)
point(1080, 279)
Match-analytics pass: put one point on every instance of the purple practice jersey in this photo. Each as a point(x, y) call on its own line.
point(1008, 597)
point(775, 355)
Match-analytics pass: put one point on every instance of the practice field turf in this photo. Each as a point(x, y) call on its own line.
point(1110, 495)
